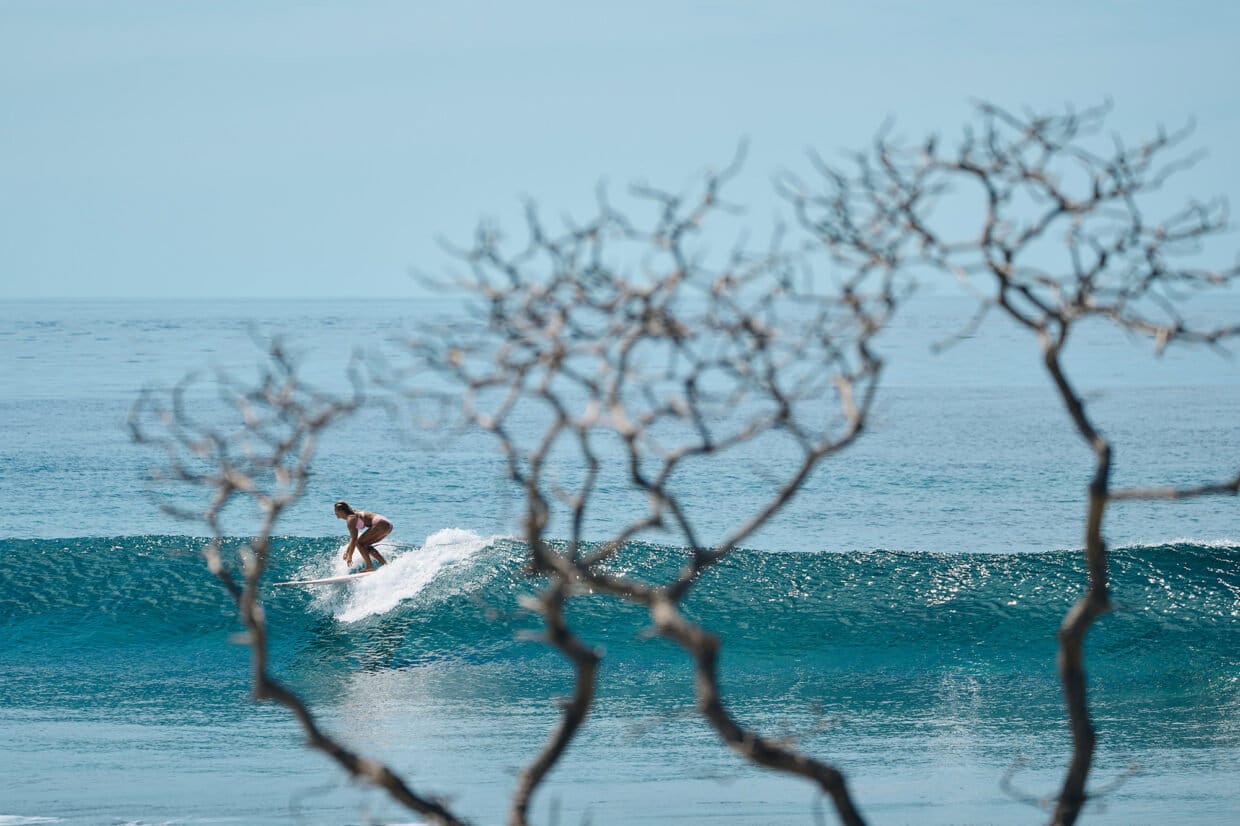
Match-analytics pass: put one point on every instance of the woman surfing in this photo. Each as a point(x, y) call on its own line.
point(365, 530)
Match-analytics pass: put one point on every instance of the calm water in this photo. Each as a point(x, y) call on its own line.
point(911, 596)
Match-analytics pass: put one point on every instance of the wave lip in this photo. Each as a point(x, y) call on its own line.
point(408, 574)
point(460, 591)
point(110, 623)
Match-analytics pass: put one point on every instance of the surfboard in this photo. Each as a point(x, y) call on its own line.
point(330, 580)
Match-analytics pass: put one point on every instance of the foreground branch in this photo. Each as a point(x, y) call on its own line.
point(264, 458)
point(1061, 237)
point(618, 333)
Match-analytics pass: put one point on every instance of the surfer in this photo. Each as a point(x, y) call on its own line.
point(365, 529)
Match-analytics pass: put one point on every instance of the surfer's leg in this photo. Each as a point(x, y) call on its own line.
point(371, 554)
point(366, 544)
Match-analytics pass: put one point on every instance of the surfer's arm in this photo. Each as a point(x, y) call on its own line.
point(348, 552)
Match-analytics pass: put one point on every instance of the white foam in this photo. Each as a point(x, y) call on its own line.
point(1221, 544)
point(407, 573)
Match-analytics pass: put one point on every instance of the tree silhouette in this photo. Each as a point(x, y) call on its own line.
point(627, 336)
point(1048, 230)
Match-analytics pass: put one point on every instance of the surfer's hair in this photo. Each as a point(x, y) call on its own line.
point(343, 507)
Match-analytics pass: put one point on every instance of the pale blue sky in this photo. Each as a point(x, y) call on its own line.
point(316, 149)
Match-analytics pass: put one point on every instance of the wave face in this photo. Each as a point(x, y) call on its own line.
point(875, 636)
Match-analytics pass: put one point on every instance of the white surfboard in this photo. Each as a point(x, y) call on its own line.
point(330, 580)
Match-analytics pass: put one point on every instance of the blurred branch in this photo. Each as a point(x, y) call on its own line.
point(1043, 222)
point(1231, 487)
point(611, 332)
point(264, 456)
point(630, 333)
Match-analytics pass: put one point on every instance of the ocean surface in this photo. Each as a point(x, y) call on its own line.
point(898, 619)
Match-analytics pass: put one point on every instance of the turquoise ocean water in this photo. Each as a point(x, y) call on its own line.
point(899, 619)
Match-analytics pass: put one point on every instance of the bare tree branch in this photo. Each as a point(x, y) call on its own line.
point(616, 332)
point(1231, 487)
point(1057, 234)
point(630, 334)
point(265, 458)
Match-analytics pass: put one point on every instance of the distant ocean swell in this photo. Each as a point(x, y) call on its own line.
point(91, 621)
